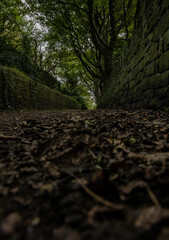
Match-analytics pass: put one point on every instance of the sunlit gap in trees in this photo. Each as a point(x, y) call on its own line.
point(75, 41)
point(57, 56)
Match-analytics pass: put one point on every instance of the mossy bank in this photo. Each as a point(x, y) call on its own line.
point(17, 91)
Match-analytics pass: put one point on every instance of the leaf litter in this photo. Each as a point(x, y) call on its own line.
point(77, 175)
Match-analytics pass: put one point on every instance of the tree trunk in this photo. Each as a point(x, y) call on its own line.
point(108, 63)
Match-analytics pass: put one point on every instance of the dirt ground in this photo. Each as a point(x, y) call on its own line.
point(84, 175)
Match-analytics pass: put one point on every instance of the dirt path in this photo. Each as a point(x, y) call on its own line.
point(84, 175)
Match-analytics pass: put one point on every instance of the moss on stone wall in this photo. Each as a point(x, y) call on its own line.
point(17, 91)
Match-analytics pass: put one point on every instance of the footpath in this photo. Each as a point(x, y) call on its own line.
point(80, 175)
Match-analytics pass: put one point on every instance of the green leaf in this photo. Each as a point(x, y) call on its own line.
point(98, 167)
point(132, 141)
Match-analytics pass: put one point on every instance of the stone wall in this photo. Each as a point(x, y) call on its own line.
point(19, 92)
point(140, 77)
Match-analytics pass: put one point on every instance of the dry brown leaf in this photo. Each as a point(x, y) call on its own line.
point(65, 233)
point(11, 222)
point(151, 216)
point(132, 185)
point(150, 158)
point(35, 221)
point(4, 137)
point(46, 188)
point(91, 214)
point(142, 184)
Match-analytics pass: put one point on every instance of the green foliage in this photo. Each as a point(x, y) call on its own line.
point(69, 71)
point(17, 42)
point(17, 71)
point(75, 93)
point(166, 109)
point(9, 56)
point(95, 31)
point(76, 42)
point(12, 23)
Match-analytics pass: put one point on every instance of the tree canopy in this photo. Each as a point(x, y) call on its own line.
point(77, 40)
point(95, 30)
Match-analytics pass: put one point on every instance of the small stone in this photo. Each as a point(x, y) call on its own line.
point(35, 221)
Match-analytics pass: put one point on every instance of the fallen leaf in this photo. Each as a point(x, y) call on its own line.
point(65, 233)
point(132, 185)
point(35, 221)
point(151, 216)
point(91, 214)
point(46, 188)
point(11, 222)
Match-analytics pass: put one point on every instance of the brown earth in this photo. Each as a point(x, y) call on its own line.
point(80, 175)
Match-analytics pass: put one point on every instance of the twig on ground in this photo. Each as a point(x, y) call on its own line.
point(152, 196)
point(3, 137)
point(98, 198)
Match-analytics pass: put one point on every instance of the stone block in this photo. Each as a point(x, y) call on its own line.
point(138, 87)
point(143, 73)
point(155, 81)
point(131, 84)
point(162, 25)
point(135, 106)
point(129, 99)
point(141, 64)
point(154, 103)
point(166, 41)
point(154, 52)
point(137, 58)
point(120, 86)
point(146, 60)
point(138, 78)
point(165, 19)
point(149, 94)
point(135, 98)
point(161, 93)
point(145, 84)
point(139, 96)
point(161, 46)
point(164, 79)
point(157, 35)
point(132, 91)
point(164, 62)
point(138, 68)
point(1, 89)
point(130, 55)
point(150, 69)
point(156, 66)
point(165, 4)
point(122, 101)
point(165, 102)
point(127, 106)
point(143, 103)
point(126, 87)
